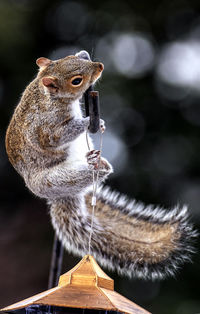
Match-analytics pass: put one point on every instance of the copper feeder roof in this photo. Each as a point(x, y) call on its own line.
point(84, 286)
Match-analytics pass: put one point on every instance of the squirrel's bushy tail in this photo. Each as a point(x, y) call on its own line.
point(135, 240)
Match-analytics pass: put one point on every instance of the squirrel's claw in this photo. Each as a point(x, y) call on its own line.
point(93, 159)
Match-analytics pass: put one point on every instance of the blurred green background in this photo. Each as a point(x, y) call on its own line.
point(150, 100)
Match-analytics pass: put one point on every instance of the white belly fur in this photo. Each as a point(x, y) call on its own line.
point(78, 149)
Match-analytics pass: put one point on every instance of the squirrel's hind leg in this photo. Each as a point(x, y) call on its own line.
point(62, 180)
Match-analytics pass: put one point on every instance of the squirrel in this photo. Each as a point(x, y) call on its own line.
point(46, 144)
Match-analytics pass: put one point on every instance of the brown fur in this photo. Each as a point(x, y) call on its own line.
point(46, 143)
point(129, 233)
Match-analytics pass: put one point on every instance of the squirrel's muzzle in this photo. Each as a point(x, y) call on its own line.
point(101, 66)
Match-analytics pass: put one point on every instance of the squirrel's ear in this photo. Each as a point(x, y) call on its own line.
point(51, 83)
point(43, 62)
point(83, 54)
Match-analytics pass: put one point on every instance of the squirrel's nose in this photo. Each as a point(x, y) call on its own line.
point(101, 66)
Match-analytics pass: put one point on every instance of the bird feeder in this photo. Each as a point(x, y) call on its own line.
point(84, 289)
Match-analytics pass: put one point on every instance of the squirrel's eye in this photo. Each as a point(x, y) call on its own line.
point(77, 81)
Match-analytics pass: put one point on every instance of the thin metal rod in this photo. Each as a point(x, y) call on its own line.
point(56, 263)
point(86, 99)
point(94, 111)
point(92, 108)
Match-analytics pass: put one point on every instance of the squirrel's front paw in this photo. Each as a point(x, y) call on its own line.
point(93, 158)
point(95, 162)
point(101, 124)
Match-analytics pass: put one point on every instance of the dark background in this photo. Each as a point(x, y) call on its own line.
point(150, 100)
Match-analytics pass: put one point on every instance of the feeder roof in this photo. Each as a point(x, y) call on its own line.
point(84, 286)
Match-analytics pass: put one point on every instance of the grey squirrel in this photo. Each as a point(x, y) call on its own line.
point(46, 144)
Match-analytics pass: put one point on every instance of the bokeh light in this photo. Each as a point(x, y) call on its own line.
point(150, 101)
point(179, 64)
point(131, 54)
point(114, 150)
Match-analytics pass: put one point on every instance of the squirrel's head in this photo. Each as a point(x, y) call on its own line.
point(69, 77)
